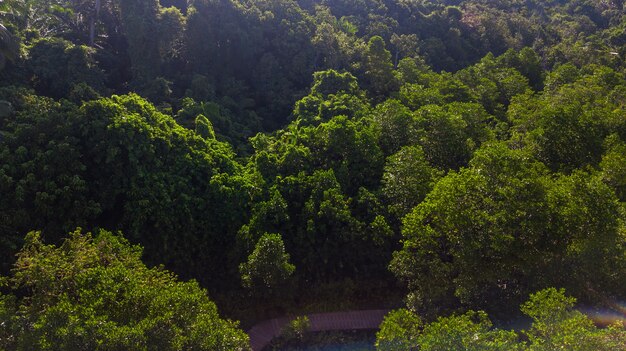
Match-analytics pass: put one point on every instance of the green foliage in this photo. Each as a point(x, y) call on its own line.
point(231, 126)
point(491, 232)
point(613, 166)
point(408, 178)
point(556, 326)
point(527, 62)
point(319, 223)
point(451, 133)
point(171, 26)
point(471, 331)
point(58, 66)
point(83, 92)
point(7, 311)
point(349, 148)
point(94, 293)
point(176, 177)
point(204, 127)
point(566, 126)
point(43, 180)
point(140, 21)
point(395, 126)
point(332, 94)
point(320, 182)
point(296, 328)
point(332, 82)
point(363, 118)
point(9, 47)
point(157, 90)
point(268, 265)
point(415, 96)
point(119, 162)
point(493, 84)
point(399, 331)
point(379, 68)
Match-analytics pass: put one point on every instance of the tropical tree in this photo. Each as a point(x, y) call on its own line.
point(94, 293)
point(556, 325)
point(408, 178)
point(379, 69)
point(486, 235)
point(399, 331)
point(268, 265)
point(9, 48)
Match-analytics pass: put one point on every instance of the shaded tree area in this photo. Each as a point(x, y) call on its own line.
point(121, 164)
point(254, 59)
point(472, 150)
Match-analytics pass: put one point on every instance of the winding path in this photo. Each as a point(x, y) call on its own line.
point(262, 333)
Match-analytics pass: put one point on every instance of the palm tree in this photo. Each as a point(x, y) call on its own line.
point(9, 48)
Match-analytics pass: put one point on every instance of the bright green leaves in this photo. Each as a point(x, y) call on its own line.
point(268, 265)
point(204, 128)
point(395, 125)
point(613, 166)
point(493, 84)
point(587, 225)
point(43, 180)
point(402, 330)
point(493, 231)
point(94, 293)
point(330, 82)
point(567, 125)
point(546, 308)
point(332, 94)
point(408, 178)
point(399, 331)
point(556, 325)
point(470, 331)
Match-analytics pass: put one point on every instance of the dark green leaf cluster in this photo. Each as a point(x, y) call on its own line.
point(474, 147)
point(256, 58)
point(119, 163)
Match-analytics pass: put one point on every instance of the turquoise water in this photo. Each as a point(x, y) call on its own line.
point(351, 346)
point(331, 341)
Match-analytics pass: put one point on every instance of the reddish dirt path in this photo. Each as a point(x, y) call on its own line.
point(262, 333)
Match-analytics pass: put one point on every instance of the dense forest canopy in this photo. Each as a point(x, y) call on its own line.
point(468, 155)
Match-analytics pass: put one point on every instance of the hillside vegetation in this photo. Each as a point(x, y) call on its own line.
point(283, 155)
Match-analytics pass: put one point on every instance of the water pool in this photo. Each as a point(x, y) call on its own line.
point(353, 346)
point(333, 341)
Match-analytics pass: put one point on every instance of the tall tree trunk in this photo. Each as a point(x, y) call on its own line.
point(92, 25)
